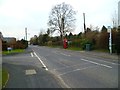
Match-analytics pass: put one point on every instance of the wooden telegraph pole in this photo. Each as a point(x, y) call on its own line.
point(84, 23)
point(26, 34)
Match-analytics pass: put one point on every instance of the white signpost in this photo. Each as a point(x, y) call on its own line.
point(110, 39)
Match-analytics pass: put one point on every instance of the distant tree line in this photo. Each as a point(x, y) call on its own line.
point(96, 39)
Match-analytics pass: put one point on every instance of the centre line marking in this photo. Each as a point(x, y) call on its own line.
point(41, 61)
point(79, 69)
point(96, 63)
point(107, 62)
point(64, 54)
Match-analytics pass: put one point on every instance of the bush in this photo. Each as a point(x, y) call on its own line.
point(84, 42)
point(4, 45)
point(75, 43)
point(23, 44)
point(49, 43)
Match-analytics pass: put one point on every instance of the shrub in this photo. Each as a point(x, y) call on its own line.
point(84, 42)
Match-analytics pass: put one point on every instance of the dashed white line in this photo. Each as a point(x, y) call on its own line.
point(61, 53)
point(106, 61)
point(64, 54)
point(96, 63)
point(41, 61)
point(31, 54)
point(77, 70)
point(110, 62)
point(69, 66)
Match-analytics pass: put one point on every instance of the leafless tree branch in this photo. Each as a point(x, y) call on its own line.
point(62, 18)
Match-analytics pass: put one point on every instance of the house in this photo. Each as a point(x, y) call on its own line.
point(6, 42)
point(9, 39)
point(1, 37)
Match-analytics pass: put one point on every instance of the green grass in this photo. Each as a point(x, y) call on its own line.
point(101, 50)
point(13, 51)
point(80, 49)
point(0, 78)
point(69, 48)
point(74, 48)
point(55, 46)
point(3, 77)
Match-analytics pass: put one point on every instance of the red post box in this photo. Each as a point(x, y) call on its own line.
point(65, 43)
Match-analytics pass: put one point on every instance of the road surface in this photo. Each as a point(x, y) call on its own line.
point(78, 70)
point(64, 68)
point(26, 71)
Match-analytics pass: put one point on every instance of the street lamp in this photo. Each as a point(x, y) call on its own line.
point(110, 39)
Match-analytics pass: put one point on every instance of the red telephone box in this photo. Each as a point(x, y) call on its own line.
point(65, 43)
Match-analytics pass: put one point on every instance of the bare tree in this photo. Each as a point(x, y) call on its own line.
point(62, 18)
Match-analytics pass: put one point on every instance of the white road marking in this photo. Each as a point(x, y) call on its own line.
point(110, 62)
point(64, 54)
point(30, 72)
point(31, 54)
point(56, 52)
point(96, 63)
point(66, 85)
point(76, 70)
point(107, 61)
point(8, 77)
point(41, 61)
point(69, 66)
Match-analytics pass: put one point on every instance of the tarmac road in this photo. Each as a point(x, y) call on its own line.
point(45, 67)
point(25, 71)
point(80, 69)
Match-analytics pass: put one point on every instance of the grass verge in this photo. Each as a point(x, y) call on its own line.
point(74, 48)
point(55, 46)
point(3, 77)
point(102, 50)
point(13, 51)
point(69, 48)
point(0, 78)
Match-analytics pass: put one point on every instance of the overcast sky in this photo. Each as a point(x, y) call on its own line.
point(15, 15)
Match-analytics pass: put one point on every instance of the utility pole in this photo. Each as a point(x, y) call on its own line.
point(119, 13)
point(26, 33)
point(84, 23)
point(110, 39)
